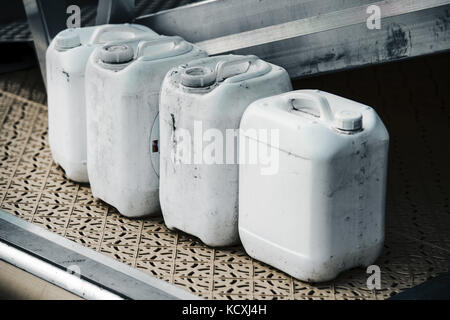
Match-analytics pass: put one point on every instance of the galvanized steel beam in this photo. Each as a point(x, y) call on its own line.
point(112, 278)
point(114, 11)
point(45, 20)
point(309, 37)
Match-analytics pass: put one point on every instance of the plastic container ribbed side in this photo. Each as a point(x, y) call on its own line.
point(200, 110)
point(66, 60)
point(123, 82)
point(320, 209)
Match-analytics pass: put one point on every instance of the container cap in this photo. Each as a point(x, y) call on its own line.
point(198, 77)
point(348, 120)
point(67, 39)
point(116, 53)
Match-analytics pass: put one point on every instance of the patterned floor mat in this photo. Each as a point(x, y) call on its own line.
point(411, 98)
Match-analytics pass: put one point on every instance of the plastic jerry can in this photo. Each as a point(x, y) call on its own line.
point(322, 210)
point(66, 59)
point(201, 107)
point(123, 82)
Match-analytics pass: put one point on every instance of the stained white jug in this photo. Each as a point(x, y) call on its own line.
point(202, 104)
point(123, 82)
point(323, 210)
point(66, 60)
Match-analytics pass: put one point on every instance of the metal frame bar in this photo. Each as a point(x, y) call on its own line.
point(115, 11)
point(325, 22)
point(96, 269)
point(305, 37)
point(45, 20)
point(54, 275)
point(310, 37)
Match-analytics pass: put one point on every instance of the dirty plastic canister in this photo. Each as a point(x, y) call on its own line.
point(200, 110)
point(123, 82)
point(66, 59)
point(322, 210)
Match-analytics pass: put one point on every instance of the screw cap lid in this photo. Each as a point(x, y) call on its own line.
point(67, 39)
point(116, 53)
point(348, 120)
point(198, 77)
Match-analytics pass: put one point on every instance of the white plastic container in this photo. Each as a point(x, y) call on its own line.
point(207, 97)
point(66, 60)
point(122, 90)
point(323, 210)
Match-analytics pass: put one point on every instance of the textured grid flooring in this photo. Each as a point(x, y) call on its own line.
point(15, 31)
point(410, 96)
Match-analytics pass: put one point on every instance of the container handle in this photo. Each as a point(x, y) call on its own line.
point(224, 69)
point(103, 29)
point(319, 100)
point(135, 29)
point(179, 47)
